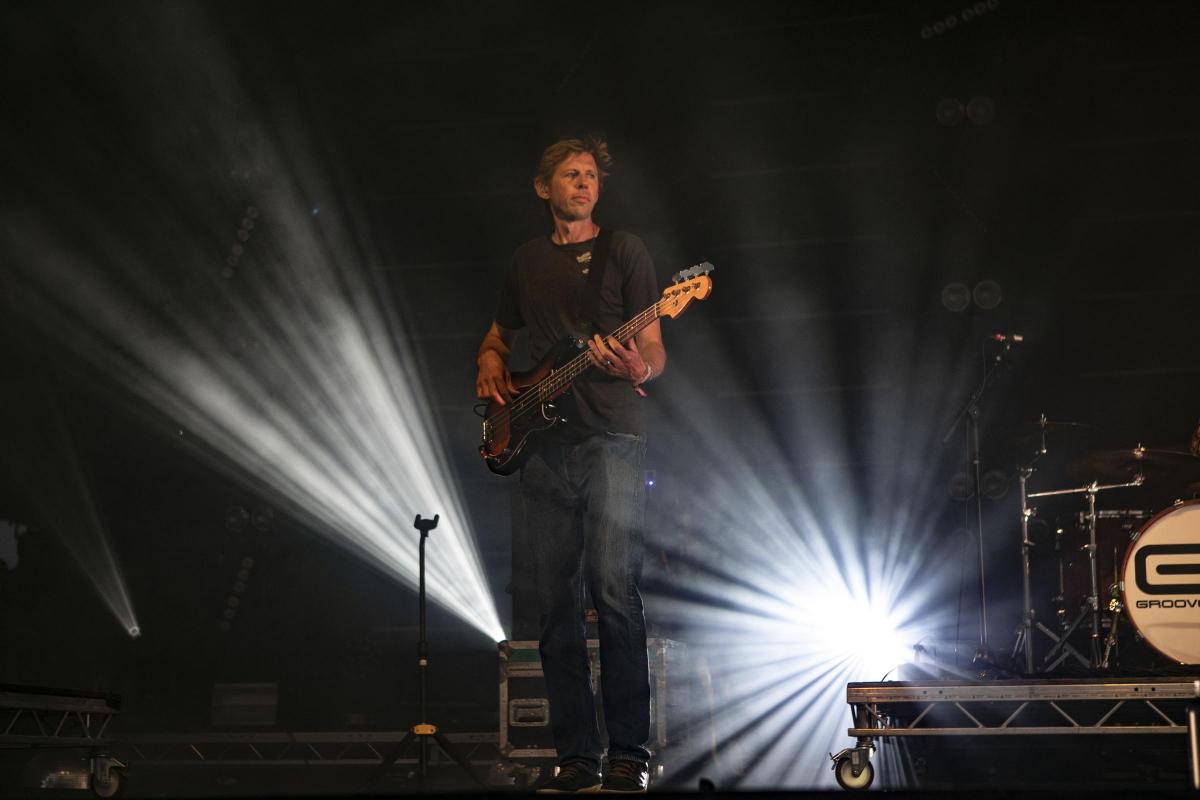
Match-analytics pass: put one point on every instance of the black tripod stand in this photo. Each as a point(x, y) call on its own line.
point(423, 731)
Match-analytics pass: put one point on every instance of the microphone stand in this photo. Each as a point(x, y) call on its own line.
point(423, 731)
point(970, 411)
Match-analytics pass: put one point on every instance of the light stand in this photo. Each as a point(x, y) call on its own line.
point(423, 731)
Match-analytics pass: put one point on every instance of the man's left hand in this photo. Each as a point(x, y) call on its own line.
point(616, 359)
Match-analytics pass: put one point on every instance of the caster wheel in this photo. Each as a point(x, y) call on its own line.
point(108, 776)
point(107, 788)
point(844, 773)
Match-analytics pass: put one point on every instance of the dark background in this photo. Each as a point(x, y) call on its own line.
point(796, 145)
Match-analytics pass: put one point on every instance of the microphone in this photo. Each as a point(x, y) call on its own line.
point(1011, 338)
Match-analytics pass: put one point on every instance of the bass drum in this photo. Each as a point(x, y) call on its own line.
point(1161, 582)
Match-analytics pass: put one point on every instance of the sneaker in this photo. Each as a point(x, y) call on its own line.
point(625, 777)
point(570, 779)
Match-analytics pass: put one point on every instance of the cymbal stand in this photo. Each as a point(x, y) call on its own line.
point(1094, 597)
point(1025, 638)
point(1091, 604)
point(1024, 643)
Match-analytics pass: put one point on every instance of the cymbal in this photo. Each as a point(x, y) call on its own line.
point(1026, 435)
point(1156, 465)
point(1037, 428)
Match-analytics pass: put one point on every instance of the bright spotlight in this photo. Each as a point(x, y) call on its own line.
point(826, 582)
point(135, 632)
point(866, 637)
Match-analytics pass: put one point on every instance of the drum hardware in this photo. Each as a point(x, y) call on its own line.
point(1025, 637)
point(1059, 599)
point(1114, 530)
point(1194, 732)
point(1110, 642)
point(1090, 607)
point(1061, 643)
point(1023, 435)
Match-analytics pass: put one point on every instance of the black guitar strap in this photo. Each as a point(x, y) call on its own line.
point(590, 301)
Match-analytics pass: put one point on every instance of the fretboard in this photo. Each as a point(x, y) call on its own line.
point(563, 376)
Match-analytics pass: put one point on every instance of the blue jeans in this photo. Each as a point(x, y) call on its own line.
point(584, 504)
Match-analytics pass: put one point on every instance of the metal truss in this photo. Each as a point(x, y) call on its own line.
point(331, 748)
point(1021, 708)
point(40, 717)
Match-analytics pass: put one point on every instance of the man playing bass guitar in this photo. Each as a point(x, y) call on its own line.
point(582, 485)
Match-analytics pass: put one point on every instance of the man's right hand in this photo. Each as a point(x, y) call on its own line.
point(494, 381)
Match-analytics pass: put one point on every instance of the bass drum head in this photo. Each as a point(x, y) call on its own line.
point(1161, 583)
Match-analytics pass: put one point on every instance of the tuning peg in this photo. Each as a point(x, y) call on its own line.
point(703, 268)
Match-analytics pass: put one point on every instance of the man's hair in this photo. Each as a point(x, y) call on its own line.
point(563, 149)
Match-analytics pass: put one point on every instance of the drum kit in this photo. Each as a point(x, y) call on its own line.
point(1108, 586)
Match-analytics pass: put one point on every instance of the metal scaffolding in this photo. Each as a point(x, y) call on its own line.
point(307, 748)
point(1020, 708)
point(32, 716)
point(1097, 706)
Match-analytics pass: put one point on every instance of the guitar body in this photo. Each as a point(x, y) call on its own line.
point(508, 440)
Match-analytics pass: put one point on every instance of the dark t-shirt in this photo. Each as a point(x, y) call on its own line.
point(542, 291)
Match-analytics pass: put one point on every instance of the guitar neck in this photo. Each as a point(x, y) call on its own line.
point(580, 363)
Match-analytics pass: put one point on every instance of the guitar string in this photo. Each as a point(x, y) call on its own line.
point(575, 367)
point(580, 363)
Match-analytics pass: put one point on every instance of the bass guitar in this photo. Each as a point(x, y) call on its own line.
point(511, 432)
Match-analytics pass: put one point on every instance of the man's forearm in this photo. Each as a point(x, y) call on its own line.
point(493, 342)
point(655, 356)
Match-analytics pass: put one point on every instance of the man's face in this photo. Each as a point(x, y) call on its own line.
point(573, 189)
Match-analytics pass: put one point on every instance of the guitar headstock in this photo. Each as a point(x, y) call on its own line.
point(703, 268)
point(690, 284)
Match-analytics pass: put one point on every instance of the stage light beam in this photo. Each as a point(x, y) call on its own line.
point(325, 408)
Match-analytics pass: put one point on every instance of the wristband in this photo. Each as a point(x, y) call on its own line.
point(649, 372)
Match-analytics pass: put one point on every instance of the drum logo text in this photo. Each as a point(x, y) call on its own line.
point(1142, 577)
